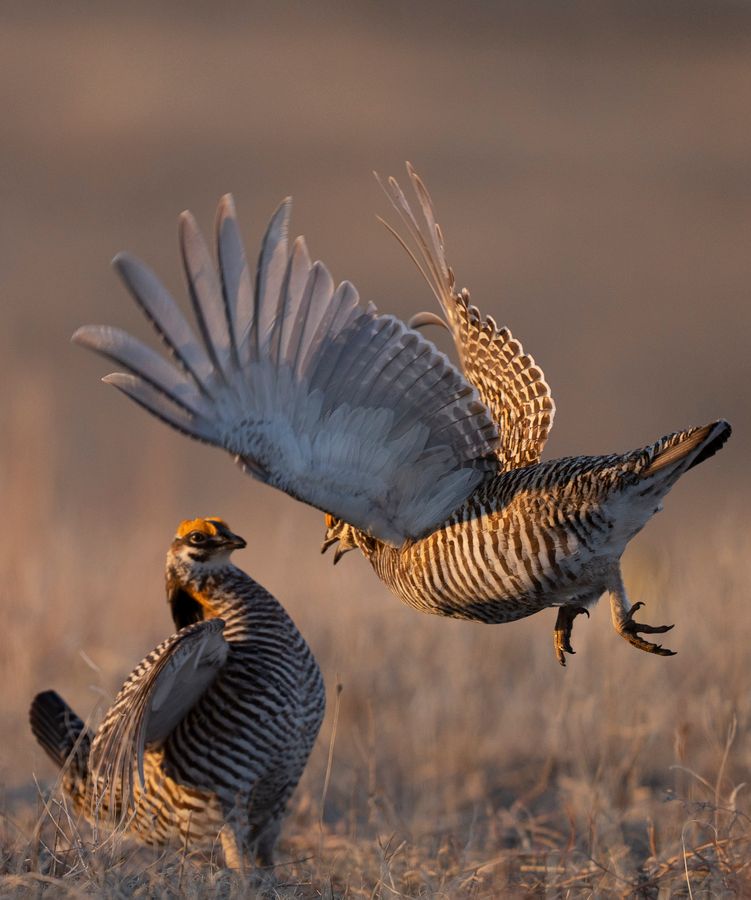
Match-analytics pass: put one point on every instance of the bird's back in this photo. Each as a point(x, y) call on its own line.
point(245, 743)
point(252, 731)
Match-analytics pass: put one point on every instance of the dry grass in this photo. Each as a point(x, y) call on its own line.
point(590, 166)
point(465, 763)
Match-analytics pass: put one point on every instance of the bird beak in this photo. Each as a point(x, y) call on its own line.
point(235, 542)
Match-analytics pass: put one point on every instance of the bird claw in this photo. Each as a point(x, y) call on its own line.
point(630, 630)
point(328, 542)
point(563, 627)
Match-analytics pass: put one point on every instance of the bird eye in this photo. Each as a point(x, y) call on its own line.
point(197, 537)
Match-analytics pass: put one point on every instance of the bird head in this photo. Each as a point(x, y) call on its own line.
point(200, 547)
point(204, 541)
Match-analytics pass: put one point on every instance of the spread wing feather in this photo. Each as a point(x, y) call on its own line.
point(509, 382)
point(157, 695)
point(165, 316)
point(313, 393)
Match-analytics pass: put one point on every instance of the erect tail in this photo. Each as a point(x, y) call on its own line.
point(676, 453)
point(61, 734)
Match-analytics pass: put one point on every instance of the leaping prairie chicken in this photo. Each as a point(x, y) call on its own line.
point(210, 733)
point(435, 476)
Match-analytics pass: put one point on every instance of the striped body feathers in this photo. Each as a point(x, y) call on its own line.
point(435, 474)
point(210, 733)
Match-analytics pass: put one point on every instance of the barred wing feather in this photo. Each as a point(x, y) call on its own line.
point(345, 409)
point(157, 695)
point(508, 380)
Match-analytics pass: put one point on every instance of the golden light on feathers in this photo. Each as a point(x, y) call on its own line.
point(205, 526)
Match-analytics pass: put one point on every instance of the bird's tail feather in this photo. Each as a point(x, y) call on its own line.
point(676, 453)
point(60, 733)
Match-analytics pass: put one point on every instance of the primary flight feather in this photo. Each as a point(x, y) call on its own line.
point(433, 474)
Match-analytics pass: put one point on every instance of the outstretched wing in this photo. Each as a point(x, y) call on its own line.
point(509, 382)
point(349, 411)
point(157, 695)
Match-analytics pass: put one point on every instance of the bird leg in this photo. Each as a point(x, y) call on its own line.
point(267, 841)
point(339, 532)
point(233, 849)
point(563, 627)
point(622, 614)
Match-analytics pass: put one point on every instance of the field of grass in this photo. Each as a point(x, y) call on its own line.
point(463, 761)
point(589, 164)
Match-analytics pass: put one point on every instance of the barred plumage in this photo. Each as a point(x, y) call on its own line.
point(210, 733)
point(435, 476)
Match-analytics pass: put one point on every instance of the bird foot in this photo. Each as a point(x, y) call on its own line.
point(630, 630)
point(563, 626)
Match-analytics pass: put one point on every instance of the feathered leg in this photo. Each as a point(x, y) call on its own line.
point(267, 842)
point(233, 848)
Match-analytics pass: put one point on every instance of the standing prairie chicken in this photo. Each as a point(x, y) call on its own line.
point(435, 476)
point(210, 733)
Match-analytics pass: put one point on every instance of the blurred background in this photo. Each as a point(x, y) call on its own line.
point(590, 167)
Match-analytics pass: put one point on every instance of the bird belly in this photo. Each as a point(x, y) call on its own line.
point(500, 567)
